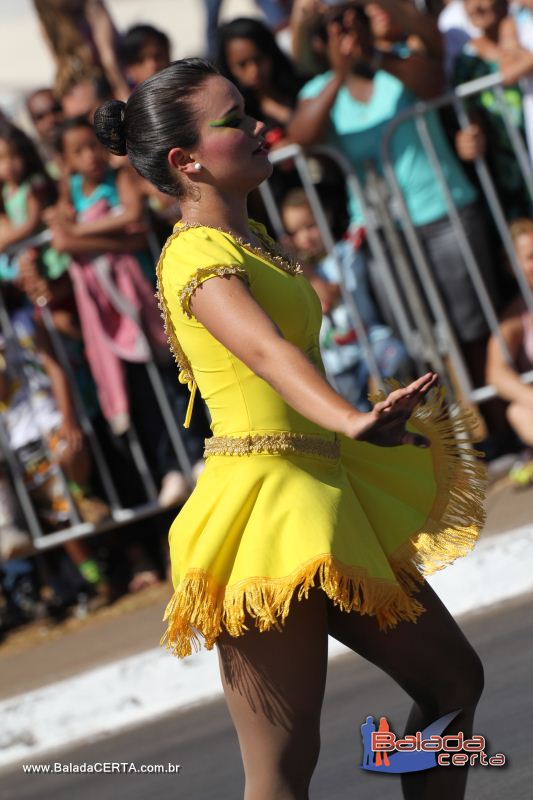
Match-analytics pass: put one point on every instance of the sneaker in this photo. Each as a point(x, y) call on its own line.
point(174, 489)
point(521, 474)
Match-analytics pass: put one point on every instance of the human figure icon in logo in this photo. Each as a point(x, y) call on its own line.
point(383, 757)
point(367, 729)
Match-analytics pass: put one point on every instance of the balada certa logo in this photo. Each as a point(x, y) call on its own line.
point(385, 752)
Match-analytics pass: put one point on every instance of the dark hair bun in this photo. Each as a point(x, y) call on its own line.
point(109, 126)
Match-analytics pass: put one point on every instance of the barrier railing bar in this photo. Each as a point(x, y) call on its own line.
point(139, 459)
point(329, 242)
point(376, 247)
point(455, 97)
point(464, 245)
point(11, 335)
point(462, 91)
point(83, 418)
point(122, 518)
point(174, 434)
point(267, 197)
point(496, 210)
point(122, 306)
point(421, 263)
point(19, 484)
point(411, 292)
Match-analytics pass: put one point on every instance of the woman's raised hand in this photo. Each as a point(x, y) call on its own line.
point(343, 47)
point(385, 424)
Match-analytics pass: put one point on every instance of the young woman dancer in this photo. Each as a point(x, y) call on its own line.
point(310, 517)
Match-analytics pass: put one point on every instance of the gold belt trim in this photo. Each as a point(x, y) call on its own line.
point(284, 442)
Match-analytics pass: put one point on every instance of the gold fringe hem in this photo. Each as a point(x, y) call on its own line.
point(201, 607)
point(458, 514)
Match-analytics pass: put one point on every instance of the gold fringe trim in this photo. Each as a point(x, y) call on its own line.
point(276, 443)
point(458, 513)
point(184, 365)
point(200, 606)
point(270, 250)
point(207, 272)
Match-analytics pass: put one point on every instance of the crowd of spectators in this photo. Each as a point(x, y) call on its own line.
point(318, 72)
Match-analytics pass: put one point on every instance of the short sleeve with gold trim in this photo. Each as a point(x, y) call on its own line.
point(193, 255)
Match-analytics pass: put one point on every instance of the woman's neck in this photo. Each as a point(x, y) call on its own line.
point(217, 211)
point(360, 87)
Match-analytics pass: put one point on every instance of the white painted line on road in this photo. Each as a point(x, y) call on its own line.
point(104, 700)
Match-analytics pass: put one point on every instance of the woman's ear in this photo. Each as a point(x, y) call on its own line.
point(180, 160)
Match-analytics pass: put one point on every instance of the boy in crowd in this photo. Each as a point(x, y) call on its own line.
point(342, 353)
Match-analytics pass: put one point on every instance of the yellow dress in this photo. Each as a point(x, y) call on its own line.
point(284, 504)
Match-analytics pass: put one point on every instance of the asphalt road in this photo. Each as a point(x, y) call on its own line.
point(202, 740)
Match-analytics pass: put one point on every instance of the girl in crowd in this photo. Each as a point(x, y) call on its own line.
point(249, 56)
point(310, 517)
point(26, 192)
point(105, 233)
point(350, 107)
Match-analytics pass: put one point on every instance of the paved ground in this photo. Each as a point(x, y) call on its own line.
point(203, 742)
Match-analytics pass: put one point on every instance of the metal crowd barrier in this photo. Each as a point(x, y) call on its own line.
point(456, 100)
point(411, 320)
point(120, 515)
point(420, 316)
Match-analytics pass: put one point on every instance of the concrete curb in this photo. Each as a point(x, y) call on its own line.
point(131, 691)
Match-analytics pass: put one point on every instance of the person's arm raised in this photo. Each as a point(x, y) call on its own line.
point(309, 123)
point(503, 376)
point(231, 314)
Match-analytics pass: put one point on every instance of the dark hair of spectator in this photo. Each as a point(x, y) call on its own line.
point(157, 117)
point(70, 124)
point(138, 37)
point(37, 92)
point(284, 76)
point(32, 162)
point(295, 198)
point(24, 147)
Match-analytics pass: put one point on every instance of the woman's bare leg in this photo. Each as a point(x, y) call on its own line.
point(274, 686)
point(433, 661)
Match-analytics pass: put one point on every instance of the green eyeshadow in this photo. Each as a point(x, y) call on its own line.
point(220, 123)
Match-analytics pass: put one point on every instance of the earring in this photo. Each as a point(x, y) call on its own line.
point(197, 166)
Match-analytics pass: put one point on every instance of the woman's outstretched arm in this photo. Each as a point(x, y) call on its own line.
point(231, 314)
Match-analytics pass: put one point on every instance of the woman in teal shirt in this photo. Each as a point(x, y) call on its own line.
point(350, 107)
